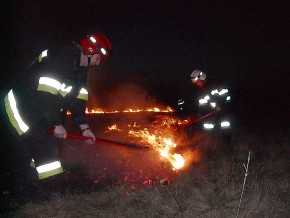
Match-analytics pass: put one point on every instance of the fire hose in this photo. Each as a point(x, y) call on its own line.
point(99, 140)
point(194, 121)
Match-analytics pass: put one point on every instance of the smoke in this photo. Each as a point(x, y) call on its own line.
point(124, 96)
point(112, 89)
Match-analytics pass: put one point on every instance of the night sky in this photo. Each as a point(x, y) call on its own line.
point(157, 44)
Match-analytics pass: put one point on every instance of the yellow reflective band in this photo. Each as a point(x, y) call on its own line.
point(213, 92)
point(64, 90)
point(204, 100)
point(32, 163)
point(208, 125)
point(13, 114)
point(83, 94)
point(223, 91)
point(225, 124)
point(48, 167)
point(50, 85)
point(45, 175)
point(42, 55)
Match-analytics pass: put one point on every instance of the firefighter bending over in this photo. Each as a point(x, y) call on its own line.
point(210, 105)
point(55, 82)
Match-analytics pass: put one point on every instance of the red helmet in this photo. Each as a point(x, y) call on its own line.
point(96, 43)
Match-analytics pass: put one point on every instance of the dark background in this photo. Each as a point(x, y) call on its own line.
point(157, 44)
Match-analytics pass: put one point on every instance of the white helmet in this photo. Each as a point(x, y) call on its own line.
point(197, 75)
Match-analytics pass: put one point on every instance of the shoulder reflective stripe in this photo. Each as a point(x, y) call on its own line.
point(42, 55)
point(83, 94)
point(50, 85)
point(64, 90)
point(13, 114)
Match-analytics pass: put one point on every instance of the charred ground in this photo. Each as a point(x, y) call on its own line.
point(121, 181)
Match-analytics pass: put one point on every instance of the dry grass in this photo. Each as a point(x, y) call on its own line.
point(210, 188)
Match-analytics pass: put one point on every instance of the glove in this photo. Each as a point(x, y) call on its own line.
point(87, 132)
point(218, 108)
point(60, 132)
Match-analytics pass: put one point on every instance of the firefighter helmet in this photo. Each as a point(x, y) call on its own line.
point(197, 75)
point(96, 43)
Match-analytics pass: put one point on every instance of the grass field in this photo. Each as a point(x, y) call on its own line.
point(248, 177)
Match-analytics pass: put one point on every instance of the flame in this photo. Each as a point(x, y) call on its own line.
point(166, 109)
point(169, 122)
point(161, 144)
point(152, 136)
point(114, 127)
point(158, 136)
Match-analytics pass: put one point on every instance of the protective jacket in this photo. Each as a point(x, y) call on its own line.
point(211, 96)
point(54, 82)
point(214, 96)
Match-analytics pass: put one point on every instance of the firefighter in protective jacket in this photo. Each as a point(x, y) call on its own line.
point(210, 103)
point(55, 82)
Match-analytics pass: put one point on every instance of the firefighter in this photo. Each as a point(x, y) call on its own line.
point(206, 103)
point(213, 99)
point(55, 82)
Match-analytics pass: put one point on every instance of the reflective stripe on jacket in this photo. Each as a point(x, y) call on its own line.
point(53, 82)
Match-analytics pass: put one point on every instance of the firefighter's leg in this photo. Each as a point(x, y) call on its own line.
point(25, 181)
point(19, 178)
point(47, 162)
point(226, 131)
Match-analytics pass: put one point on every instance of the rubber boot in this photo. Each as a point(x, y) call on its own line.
point(53, 186)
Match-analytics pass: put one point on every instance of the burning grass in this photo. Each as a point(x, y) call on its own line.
point(140, 184)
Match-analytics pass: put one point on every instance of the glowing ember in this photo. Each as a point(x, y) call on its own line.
point(113, 128)
point(169, 121)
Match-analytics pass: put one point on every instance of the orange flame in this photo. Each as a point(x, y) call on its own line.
point(167, 109)
point(152, 136)
point(161, 144)
point(114, 127)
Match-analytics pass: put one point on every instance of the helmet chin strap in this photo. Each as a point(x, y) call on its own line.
point(85, 60)
point(89, 61)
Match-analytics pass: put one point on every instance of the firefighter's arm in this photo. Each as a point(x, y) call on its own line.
point(50, 105)
point(60, 132)
point(86, 131)
point(218, 108)
point(50, 79)
point(78, 107)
